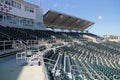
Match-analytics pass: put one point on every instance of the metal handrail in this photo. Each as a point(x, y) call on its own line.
point(5, 35)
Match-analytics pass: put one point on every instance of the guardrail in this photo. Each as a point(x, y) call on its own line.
point(5, 45)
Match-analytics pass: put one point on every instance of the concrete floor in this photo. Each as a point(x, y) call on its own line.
point(8, 61)
point(22, 73)
point(10, 71)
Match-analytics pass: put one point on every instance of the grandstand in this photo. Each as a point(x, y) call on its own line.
point(29, 51)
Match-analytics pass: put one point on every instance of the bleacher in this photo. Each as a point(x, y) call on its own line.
point(89, 62)
point(93, 35)
point(23, 34)
point(15, 34)
point(71, 61)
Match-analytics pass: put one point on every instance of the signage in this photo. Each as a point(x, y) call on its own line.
point(5, 8)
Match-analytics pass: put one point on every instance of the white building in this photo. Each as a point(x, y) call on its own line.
point(21, 14)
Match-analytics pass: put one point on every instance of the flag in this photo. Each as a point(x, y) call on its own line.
point(7, 10)
point(10, 8)
point(1, 4)
point(5, 6)
point(2, 9)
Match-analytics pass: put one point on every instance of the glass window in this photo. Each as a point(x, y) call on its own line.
point(15, 4)
point(7, 2)
point(12, 3)
point(39, 23)
point(18, 5)
point(1, 17)
point(29, 9)
point(2, 1)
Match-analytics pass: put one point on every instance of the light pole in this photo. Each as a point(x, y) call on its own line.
point(40, 2)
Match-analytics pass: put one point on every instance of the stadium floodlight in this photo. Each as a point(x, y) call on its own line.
point(40, 2)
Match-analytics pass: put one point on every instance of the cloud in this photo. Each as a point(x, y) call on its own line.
point(55, 5)
point(68, 6)
point(99, 17)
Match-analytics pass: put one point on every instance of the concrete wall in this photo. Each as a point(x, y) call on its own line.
point(22, 13)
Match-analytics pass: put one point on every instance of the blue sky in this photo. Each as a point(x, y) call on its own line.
point(105, 13)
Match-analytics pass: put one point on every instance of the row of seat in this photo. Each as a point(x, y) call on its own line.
point(67, 67)
point(75, 61)
point(86, 53)
point(27, 34)
point(16, 34)
point(111, 73)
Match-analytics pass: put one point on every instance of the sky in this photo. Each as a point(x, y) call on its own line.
point(104, 13)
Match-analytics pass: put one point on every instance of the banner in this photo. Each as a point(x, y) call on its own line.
point(5, 8)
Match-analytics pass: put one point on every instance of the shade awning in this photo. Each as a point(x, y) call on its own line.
point(54, 19)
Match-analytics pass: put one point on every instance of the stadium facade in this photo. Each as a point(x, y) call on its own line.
point(18, 13)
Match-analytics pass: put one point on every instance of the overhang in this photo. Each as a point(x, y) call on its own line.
point(54, 19)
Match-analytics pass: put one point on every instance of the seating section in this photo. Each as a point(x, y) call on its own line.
point(86, 60)
point(76, 36)
point(73, 57)
point(111, 73)
point(10, 33)
point(4, 36)
point(16, 34)
point(93, 35)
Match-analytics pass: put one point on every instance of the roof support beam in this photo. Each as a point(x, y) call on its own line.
point(79, 25)
point(87, 25)
point(72, 22)
point(56, 18)
point(60, 19)
point(63, 22)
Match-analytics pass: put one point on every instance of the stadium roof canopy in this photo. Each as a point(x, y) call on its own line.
point(59, 20)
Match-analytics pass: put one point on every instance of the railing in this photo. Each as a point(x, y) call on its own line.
point(81, 74)
point(5, 45)
point(102, 75)
point(116, 77)
point(18, 44)
point(21, 58)
point(4, 35)
point(10, 44)
point(24, 59)
point(32, 42)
